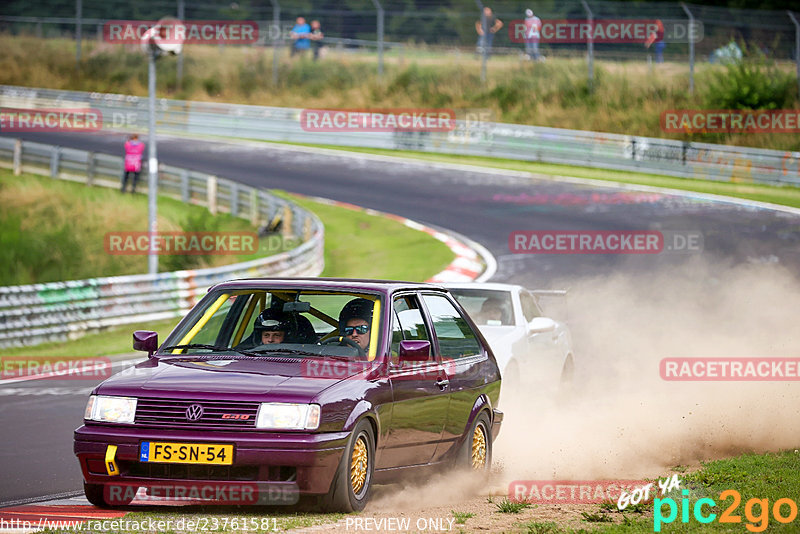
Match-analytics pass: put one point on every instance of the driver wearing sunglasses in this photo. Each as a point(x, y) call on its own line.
point(354, 321)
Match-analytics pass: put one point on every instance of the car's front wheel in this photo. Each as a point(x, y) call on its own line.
point(95, 494)
point(352, 483)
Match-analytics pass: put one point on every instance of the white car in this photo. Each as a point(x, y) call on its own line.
point(530, 347)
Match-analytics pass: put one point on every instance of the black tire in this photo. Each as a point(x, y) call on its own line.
point(347, 495)
point(95, 494)
point(566, 386)
point(468, 460)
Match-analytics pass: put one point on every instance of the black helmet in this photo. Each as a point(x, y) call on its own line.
point(271, 320)
point(355, 309)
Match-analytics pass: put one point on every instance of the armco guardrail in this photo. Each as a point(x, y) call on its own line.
point(36, 313)
point(474, 138)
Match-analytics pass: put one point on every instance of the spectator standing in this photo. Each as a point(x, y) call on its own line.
point(316, 37)
point(486, 27)
point(133, 162)
point(657, 37)
point(533, 30)
point(300, 33)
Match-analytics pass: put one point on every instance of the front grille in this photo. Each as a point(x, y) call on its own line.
point(189, 472)
point(217, 415)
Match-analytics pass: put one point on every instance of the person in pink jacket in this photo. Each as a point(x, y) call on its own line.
point(133, 161)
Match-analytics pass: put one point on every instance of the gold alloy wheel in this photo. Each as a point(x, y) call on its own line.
point(359, 464)
point(479, 448)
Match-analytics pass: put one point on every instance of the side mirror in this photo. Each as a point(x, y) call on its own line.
point(414, 351)
point(145, 340)
point(541, 324)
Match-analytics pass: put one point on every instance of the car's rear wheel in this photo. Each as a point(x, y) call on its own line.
point(352, 483)
point(95, 494)
point(477, 455)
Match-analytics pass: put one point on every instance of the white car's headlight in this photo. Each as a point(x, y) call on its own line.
point(110, 409)
point(287, 416)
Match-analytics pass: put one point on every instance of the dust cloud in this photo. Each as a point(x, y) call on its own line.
point(622, 420)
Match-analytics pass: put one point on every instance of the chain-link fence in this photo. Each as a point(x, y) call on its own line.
point(448, 27)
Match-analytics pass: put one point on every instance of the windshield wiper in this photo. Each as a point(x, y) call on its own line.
point(211, 347)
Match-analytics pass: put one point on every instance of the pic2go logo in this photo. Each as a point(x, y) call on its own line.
point(757, 522)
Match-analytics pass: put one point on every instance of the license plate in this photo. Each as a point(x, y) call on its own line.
point(185, 453)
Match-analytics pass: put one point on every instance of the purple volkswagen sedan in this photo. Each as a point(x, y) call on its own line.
point(269, 390)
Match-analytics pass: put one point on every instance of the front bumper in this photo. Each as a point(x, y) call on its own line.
point(304, 461)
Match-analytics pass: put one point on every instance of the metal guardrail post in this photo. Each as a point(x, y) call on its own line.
point(796, 47)
point(590, 46)
point(276, 41)
point(90, 169)
point(691, 49)
point(17, 164)
point(54, 157)
point(234, 204)
point(211, 194)
point(379, 7)
point(186, 191)
point(254, 215)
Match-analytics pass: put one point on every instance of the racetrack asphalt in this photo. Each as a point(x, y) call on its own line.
point(38, 417)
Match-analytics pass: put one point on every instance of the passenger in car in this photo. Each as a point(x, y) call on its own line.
point(491, 312)
point(271, 327)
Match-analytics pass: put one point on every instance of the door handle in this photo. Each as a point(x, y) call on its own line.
point(442, 383)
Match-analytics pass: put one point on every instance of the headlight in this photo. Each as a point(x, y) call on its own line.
point(285, 416)
point(110, 409)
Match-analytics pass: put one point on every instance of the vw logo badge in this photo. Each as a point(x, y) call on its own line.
point(194, 412)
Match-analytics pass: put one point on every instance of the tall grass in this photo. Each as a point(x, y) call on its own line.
point(626, 97)
point(52, 230)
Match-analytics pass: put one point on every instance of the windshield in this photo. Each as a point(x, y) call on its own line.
point(486, 307)
point(289, 322)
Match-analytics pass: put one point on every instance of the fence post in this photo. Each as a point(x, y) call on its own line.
point(17, 157)
point(181, 15)
point(590, 46)
point(186, 192)
point(482, 41)
point(276, 41)
point(90, 167)
point(78, 33)
point(211, 194)
point(796, 48)
point(691, 49)
point(379, 7)
point(55, 152)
